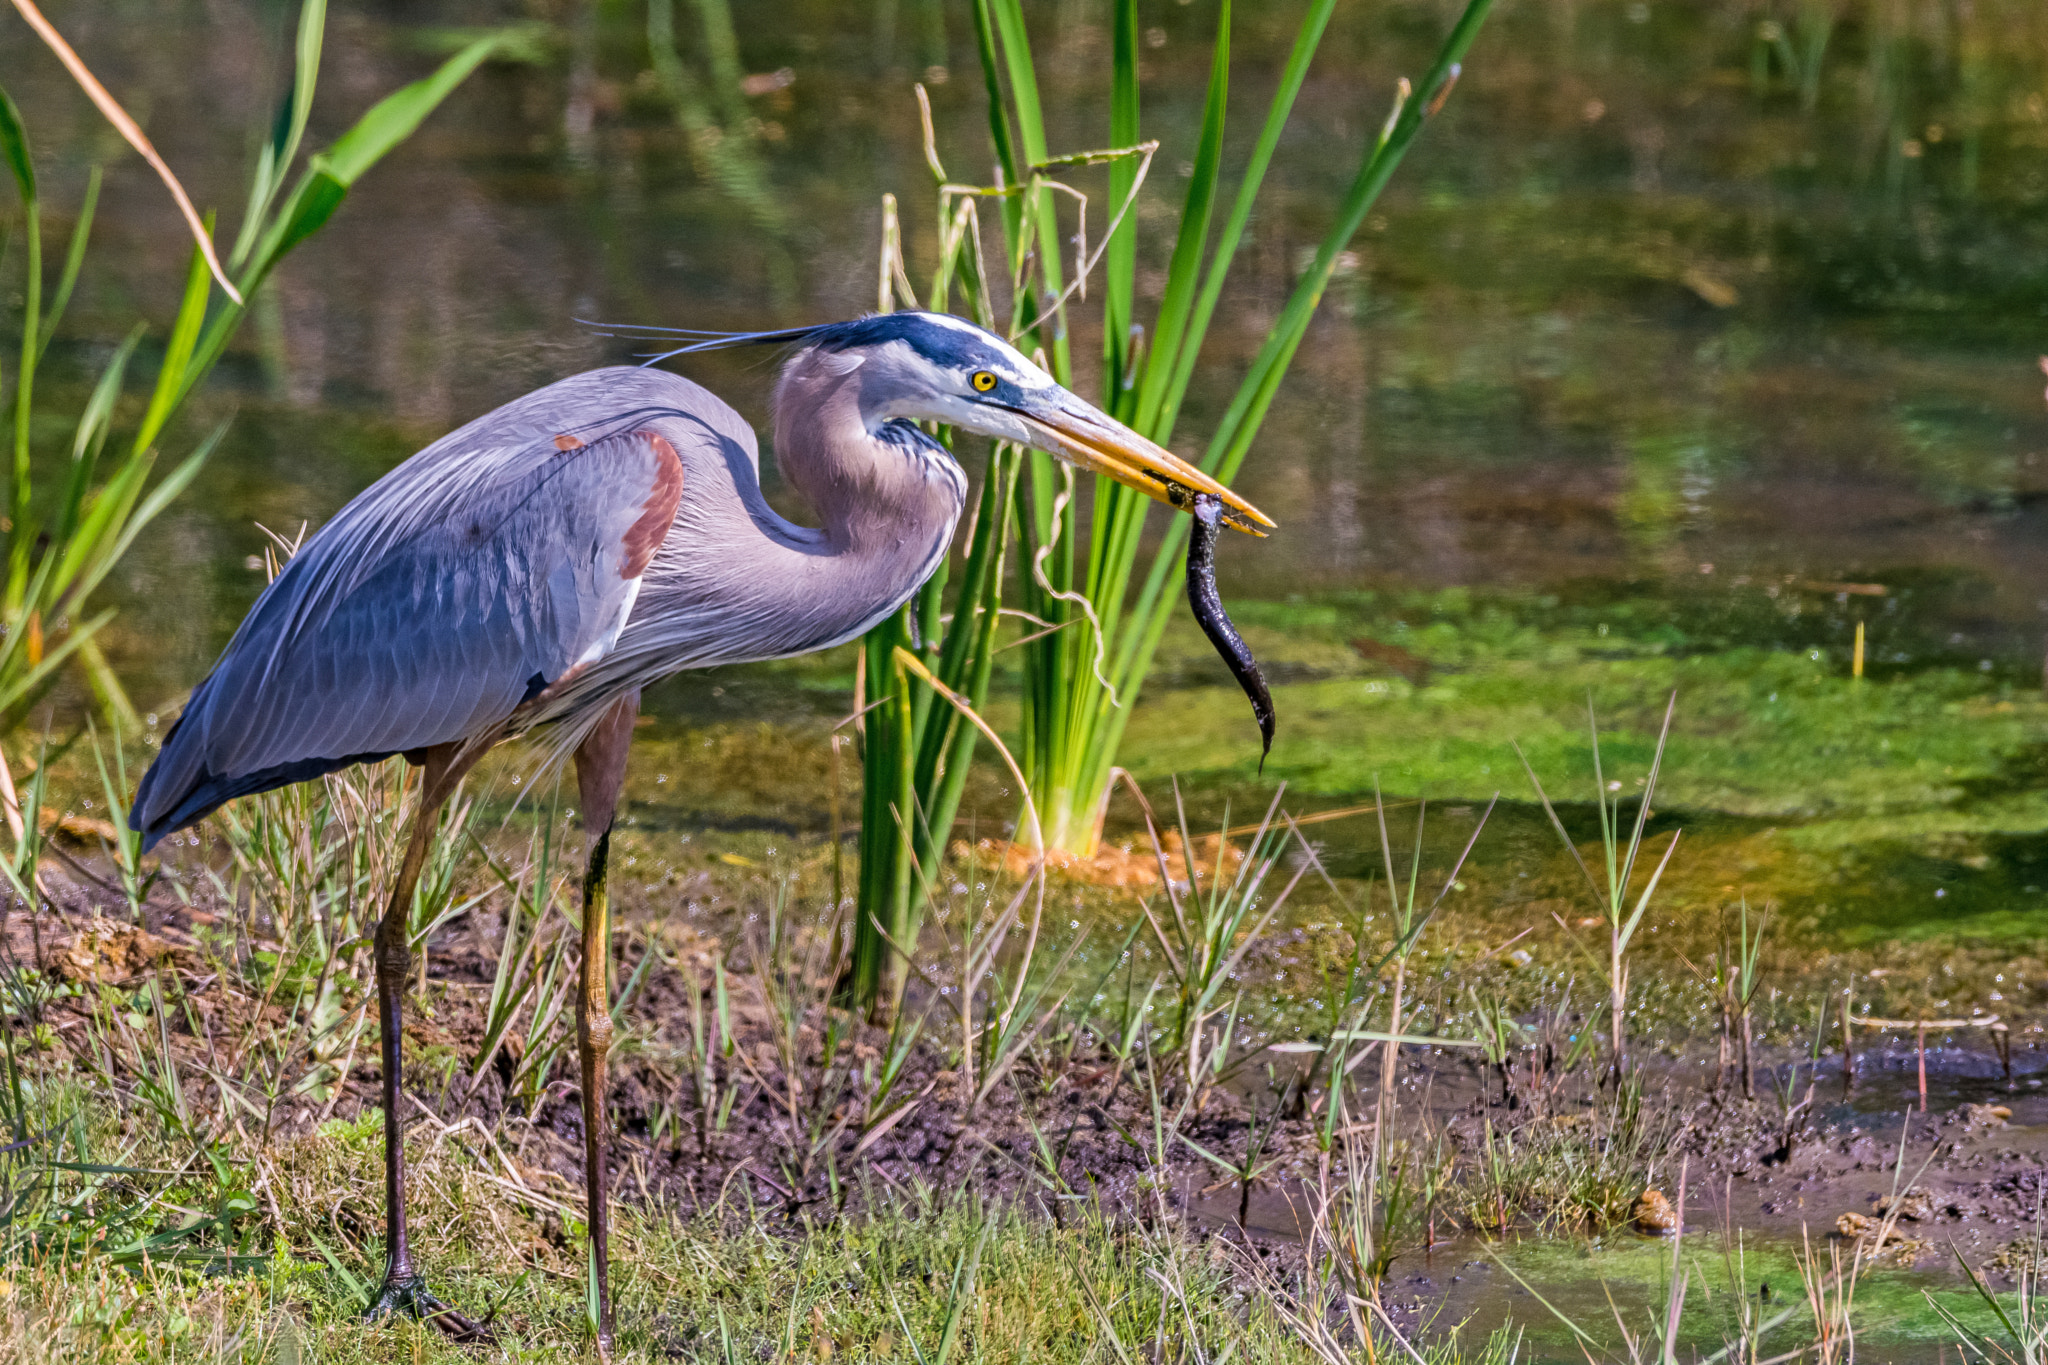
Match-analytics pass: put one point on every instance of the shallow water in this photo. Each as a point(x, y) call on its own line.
point(1621, 1285)
point(1749, 1241)
point(1681, 346)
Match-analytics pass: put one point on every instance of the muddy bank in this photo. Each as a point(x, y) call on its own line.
point(801, 1108)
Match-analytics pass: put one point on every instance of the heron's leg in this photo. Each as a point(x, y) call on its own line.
point(600, 774)
point(404, 1289)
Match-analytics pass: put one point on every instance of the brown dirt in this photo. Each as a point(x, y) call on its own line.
point(1071, 1123)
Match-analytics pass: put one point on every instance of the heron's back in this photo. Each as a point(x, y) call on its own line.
point(460, 585)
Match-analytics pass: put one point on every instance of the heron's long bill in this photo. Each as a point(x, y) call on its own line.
point(1094, 441)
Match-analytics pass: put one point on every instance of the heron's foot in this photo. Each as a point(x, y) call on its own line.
point(409, 1296)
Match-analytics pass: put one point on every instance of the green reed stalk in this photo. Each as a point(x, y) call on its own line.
point(60, 549)
point(916, 749)
point(1082, 679)
point(1083, 669)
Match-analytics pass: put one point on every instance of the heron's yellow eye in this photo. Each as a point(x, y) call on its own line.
point(984, 380)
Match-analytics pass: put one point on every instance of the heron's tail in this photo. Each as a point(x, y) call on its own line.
point(180, 789)
point(157, 813)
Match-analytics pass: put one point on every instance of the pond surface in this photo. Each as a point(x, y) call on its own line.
point(1691, 340)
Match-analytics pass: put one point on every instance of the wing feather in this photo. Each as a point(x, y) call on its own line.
point(423, 612)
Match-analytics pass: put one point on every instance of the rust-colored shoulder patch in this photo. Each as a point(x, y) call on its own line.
point(566, 442)
point(645, 535)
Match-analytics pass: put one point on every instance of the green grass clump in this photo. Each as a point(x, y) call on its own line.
point(908, 1269)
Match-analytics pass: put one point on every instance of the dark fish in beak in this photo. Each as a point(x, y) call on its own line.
point(1215, 622)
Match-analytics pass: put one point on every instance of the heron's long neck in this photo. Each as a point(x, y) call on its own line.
point(734, 581)
point(883, 491)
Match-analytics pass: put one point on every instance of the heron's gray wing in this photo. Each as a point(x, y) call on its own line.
point(460, 585)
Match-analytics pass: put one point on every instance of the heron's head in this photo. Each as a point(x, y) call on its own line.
point(933, 367)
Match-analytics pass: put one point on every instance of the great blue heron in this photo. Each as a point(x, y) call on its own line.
point(544, 563)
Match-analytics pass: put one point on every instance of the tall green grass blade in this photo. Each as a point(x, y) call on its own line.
point(399, 114)
point(1241, 423)
point(313, 202)
point(998, 118)
point(1308, 38)
point(14, 644)
point(1006, 62)
point(305, 76)
point(1037, 207)
point(90, 438)
point(1571, 846)
point(1628, 929)
point(17, 689)
point(288, 129)
point(113, 530)
point(967, 662)
point(965, 1272)
point(1233, 442)
point(14, 148)
point(888, 832)
point(330, 176)
point(74, 260)
point(1046, 515)
point(1120, 512)
point(634, 981)
point(1120, 259)
point(1032, 520)
point(1172, 337)
point(1649, 796)
point(1014, 46)
point(170, 383)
